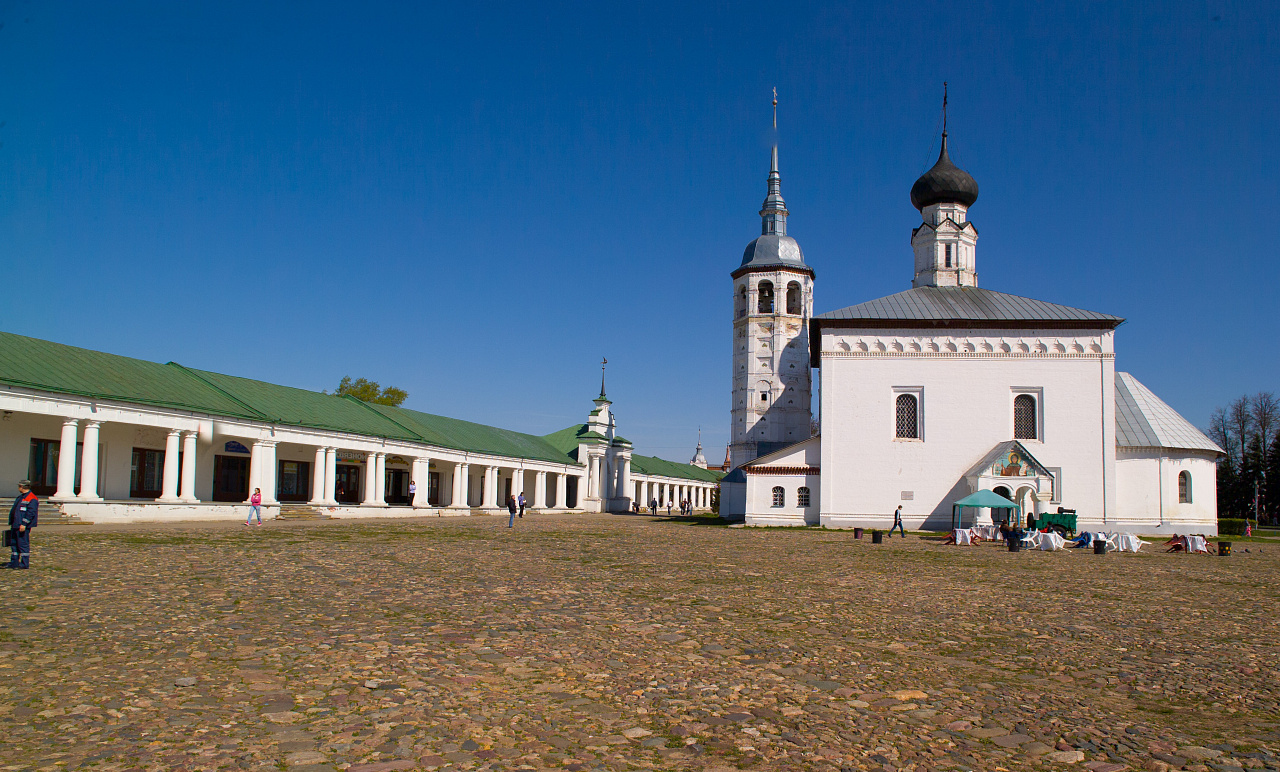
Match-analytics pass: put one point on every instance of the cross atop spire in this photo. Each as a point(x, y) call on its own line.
point(773, 213)
point(944, 109)
point(603, 361)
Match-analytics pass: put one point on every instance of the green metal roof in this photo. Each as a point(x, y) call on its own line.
point(663, 468)
point(40, 364)
point(476, 438)
point(46, 366)
point(566, 441)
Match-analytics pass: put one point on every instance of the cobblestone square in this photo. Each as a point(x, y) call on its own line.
point(607, 642)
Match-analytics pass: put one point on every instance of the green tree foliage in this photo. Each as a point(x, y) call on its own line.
point(370, 391)
point(1249, 477)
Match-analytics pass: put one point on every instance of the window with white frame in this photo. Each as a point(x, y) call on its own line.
point(1025, 418)
point(1184, 487)
point(779, 497)
point(906, 407)
point(802, 497)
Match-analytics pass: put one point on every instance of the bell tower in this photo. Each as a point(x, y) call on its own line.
point(772, 305)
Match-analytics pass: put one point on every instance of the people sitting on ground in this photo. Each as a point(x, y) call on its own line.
point(1176, 543)
point(1084, 539)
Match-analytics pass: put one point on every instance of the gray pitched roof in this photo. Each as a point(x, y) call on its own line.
point(965, 304)
point(1143, 420)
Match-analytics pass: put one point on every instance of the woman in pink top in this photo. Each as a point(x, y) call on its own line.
point(255, 506)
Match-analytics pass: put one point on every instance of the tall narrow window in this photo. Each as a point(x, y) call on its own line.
point(948, 255)
point(1184, 487)
point(908, 417)
point(766, 297)
point(740, 306)
point(793, 298)
point(1024, 417)
point(802, 497)
point(779, 497)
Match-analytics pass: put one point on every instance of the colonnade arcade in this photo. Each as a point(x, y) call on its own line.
point(213, 462)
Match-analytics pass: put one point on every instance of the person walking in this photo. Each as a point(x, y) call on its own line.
point(653, 506)
point(22, 518)
point(521, 502)
point(511, 507)
point(897, 522)
point(255, 506)
point(668, 507)
point(413, 491)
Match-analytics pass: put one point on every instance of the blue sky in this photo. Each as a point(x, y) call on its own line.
point(475, 202)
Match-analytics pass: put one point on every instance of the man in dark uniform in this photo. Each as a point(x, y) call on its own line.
point(22, 518)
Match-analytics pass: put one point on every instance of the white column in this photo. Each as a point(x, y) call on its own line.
point(89, 463)
point(331, 476)
point(459, 497)
point(491, 487)
point(381, 500)
point(317, 477)
point(624, 478)
point(169, 485)
point(540, 490)
point(370, 479)
point(67, 460)
point(189, 468)
point(269, 470)
point(255, 470)
point(517, 483)
point(562, 490)
point(593, 479)
point(418, 471)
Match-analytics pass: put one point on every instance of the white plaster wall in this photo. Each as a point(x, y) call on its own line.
point(969, 382)
point(1147, 485)
point(760, 509)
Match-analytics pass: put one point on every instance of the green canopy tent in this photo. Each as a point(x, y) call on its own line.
point(984, 498)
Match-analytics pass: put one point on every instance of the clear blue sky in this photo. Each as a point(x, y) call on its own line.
point(477, 203)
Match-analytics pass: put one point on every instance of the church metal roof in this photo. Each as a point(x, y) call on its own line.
point(967, 305)
point(1143, 420)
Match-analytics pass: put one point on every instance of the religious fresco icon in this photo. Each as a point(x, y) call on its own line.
point(1011, 465)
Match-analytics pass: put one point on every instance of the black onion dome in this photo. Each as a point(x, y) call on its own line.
point(945, 183)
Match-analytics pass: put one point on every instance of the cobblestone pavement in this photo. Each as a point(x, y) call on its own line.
point(597, 642)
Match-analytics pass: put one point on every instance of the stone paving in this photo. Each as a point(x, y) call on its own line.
point(612, 643)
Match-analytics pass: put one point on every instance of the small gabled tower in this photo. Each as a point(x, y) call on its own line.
point(946, 242)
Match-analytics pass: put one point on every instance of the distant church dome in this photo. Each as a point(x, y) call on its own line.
point(945, 183)
point(773, 249)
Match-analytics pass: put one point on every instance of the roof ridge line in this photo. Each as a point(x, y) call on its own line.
point(384, 415)
point(225, 393)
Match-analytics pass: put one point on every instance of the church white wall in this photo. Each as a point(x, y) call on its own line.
point(967, 384)
point(1147, 485)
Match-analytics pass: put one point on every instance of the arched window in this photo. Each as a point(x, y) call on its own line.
point(1024, 417)
point(766, 297)
point(793, 298)
point(802, 497)
point(740, 303)
point(1184, 487)
point(908, 409)
point(779, 497)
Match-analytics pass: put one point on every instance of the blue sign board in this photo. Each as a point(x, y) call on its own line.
point(235, 447)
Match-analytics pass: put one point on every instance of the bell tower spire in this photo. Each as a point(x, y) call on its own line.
point(945, 243)
point(773, 213)
point(772, 305)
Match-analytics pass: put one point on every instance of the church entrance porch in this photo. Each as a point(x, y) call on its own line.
point(1010, 471)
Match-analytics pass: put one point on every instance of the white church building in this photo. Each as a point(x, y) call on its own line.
point(107, 438)
point(942, 390)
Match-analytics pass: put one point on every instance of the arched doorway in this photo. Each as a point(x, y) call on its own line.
point(1001, 515)
point(1026, 499)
